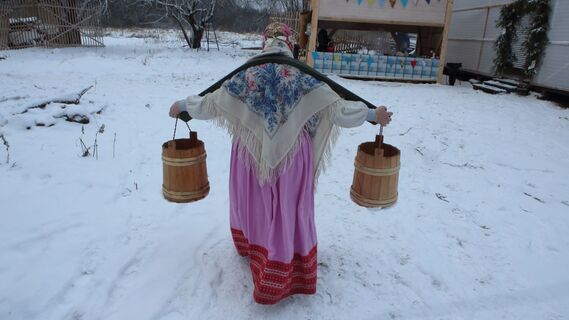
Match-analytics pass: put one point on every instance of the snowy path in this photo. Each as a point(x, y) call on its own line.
point(480, 230)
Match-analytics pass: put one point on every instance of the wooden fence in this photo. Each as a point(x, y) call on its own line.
point(292, 19)
point(351, 41)
point(50, 23)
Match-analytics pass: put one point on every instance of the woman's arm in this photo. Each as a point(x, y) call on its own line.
point(194, 105)
point(349, 114)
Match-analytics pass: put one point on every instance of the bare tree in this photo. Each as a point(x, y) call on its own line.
point(230, 15)
point(195, 14)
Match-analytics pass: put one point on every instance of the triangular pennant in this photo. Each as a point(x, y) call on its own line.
point(413, 63)
point(370, 3)
point(393, 2)
point(428, 1)
point(381, 3)
point(404, 3)
point(360, 2)
point(416, 2)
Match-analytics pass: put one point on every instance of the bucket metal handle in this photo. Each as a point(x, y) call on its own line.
point(176, 126)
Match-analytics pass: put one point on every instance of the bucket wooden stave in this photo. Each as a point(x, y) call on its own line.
point(376, 174)
point(184, 170)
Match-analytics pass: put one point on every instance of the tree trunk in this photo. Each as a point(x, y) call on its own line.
point(183, 30)
point(194, 42)
point(197, 32)
point(197, 38)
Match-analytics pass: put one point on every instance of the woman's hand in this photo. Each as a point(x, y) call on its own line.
point(382, 116)
point(174, 110)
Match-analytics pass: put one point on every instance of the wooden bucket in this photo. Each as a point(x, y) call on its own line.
point(185, 171)
point(376, 174)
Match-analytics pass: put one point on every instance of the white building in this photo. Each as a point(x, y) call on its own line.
point(473, 32)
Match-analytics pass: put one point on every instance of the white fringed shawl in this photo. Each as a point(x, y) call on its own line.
point(267, 107)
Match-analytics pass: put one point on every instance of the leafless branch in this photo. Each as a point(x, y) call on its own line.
point(442, 197)
point(84, 149)
point(534, 197)
point(7, 145)
point(70, 99)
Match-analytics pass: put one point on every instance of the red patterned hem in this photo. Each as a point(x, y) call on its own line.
point(275, 280)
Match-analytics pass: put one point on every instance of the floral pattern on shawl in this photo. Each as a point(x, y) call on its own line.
point(272, 91)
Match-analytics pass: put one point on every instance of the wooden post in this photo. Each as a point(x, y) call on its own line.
point(448, 15)
point(315, 4)
point(304, 17)
point(4, 26)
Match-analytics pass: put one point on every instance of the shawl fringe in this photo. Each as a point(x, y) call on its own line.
point(249, 147)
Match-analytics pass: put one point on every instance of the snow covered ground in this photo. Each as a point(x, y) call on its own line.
point(480, 231)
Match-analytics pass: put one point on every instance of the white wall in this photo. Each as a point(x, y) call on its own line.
point(465, 37)
point(554, 71)
point(473, 32)
point(473, 46)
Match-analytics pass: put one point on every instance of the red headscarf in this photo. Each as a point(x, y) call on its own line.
point(281, 31)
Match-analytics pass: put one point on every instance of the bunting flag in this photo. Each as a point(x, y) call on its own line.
point(393, 2)
point(416, 2)
point(360, 2)
point(370, 3)
point(428, 1)
point(404, 3)
point(413, 63)
point(381, 3)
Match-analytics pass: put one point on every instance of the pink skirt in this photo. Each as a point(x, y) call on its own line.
point(273, 225)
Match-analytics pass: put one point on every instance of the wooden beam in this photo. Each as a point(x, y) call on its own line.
point(384, 22)
point(302, 37)
point(444, 45)
point(315, 6)
point(378, 26)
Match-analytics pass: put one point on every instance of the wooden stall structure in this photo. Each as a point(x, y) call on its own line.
point(50, 23)
point(427, 19)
